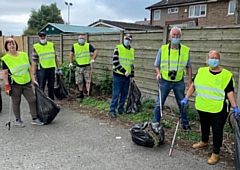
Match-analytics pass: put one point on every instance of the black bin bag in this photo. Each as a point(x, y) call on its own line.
point(236, 141)
point(147, 134)
point(60, 90)
point(134, 104)
point(47, 110)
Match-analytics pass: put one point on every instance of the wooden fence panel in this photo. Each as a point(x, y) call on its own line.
point(147, 43)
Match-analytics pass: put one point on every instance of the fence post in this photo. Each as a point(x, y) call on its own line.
point(87, 37)
point(121, 36)
point(165, 34)
point(238, 89)
point(61, 48)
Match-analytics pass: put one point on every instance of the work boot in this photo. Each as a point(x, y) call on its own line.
point(200, 145)
point(186, 128)
point(81, 96)
point(213, 159)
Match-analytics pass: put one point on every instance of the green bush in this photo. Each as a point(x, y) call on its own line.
point(148, 103)
point(66, 72)
point(105, 82)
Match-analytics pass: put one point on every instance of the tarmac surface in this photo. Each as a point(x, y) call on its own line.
point(75, 141)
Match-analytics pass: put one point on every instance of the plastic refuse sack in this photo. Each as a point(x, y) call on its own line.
point(134, 104)
point(237, 142)
point(47, 110)
point(60, 90)
point(147, 134)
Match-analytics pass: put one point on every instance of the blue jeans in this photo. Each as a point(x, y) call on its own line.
point(179, 90)
point(47, 75)
point(119, 91)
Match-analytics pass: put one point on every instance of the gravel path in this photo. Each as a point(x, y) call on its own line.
point(78, 142)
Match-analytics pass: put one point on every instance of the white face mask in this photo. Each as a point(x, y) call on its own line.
point(43, 41)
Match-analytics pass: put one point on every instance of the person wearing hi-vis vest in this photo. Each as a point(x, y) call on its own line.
point(123, 69)
point(171, 63)
point(82, 52)
point(214, 88)
point(44, 63)
point(17, 77)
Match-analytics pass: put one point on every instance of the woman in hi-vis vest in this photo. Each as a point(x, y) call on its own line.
point(17, 77)
point(214, 88)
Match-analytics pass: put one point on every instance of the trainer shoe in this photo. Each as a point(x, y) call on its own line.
point(200, 145)
point(186, 128)
point(20, 123)
point(213, 159)
point(37, 122)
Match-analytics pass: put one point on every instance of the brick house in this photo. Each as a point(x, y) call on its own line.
point(192, 12)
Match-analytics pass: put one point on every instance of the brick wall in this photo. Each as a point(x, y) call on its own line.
point(217, 15)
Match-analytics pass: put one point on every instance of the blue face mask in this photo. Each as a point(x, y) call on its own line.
point(81, 41)
point(126, 43)
point(175, 40)
point(213, 62)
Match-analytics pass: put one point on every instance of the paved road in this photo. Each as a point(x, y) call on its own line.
point(77, 142)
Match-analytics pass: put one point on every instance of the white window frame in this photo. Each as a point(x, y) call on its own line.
point(154, 15)
point(231, 2)
point(194, 7)
point(172, 10)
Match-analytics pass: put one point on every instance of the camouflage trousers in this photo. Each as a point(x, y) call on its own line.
point(82, 73)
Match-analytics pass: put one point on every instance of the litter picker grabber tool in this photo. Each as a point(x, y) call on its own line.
point(69, 79)
point(90, 80)
point(10, 113)
point(175, 133)
point(160, 99)
point(70, 97)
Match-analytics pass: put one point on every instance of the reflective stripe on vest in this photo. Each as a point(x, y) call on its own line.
point(82, 53)
point(126, 58)
point(19, 67)
point(209, 88)
point(177, 62)
point(46, 54)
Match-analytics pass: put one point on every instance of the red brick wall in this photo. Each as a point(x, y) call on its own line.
point(217, 15)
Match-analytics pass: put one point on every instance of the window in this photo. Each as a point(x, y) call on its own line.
point(172, 10)
point(157, 15)
point(197, 11)
point(231, 7)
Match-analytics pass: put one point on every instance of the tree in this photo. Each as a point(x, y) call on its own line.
point(46, 14)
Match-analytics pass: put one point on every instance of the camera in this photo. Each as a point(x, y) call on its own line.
point(172, 74)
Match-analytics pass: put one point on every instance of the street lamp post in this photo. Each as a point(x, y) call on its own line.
point(68, 4)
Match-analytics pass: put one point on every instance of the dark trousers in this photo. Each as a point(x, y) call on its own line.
point(119, 93)
point(47, 75)
point(16, 93)
point(216, 121)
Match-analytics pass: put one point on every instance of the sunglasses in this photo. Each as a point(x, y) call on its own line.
point(10, 42)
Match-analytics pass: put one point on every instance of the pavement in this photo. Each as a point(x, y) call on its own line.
point(75, 141)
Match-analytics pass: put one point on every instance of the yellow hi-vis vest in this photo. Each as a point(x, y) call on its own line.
point(210, 88)
point(19, 66)
point(82, 53)
point(176, 61)
point(46, 54)
point(126, 58)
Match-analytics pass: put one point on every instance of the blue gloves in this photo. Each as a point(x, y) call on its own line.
point(59, 71)
point(184, 102)
point(236, 111)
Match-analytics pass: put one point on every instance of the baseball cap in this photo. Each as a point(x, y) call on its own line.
point(129, 36)
point(41, 34)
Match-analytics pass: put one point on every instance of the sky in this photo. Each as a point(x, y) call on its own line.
point(14, 15)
